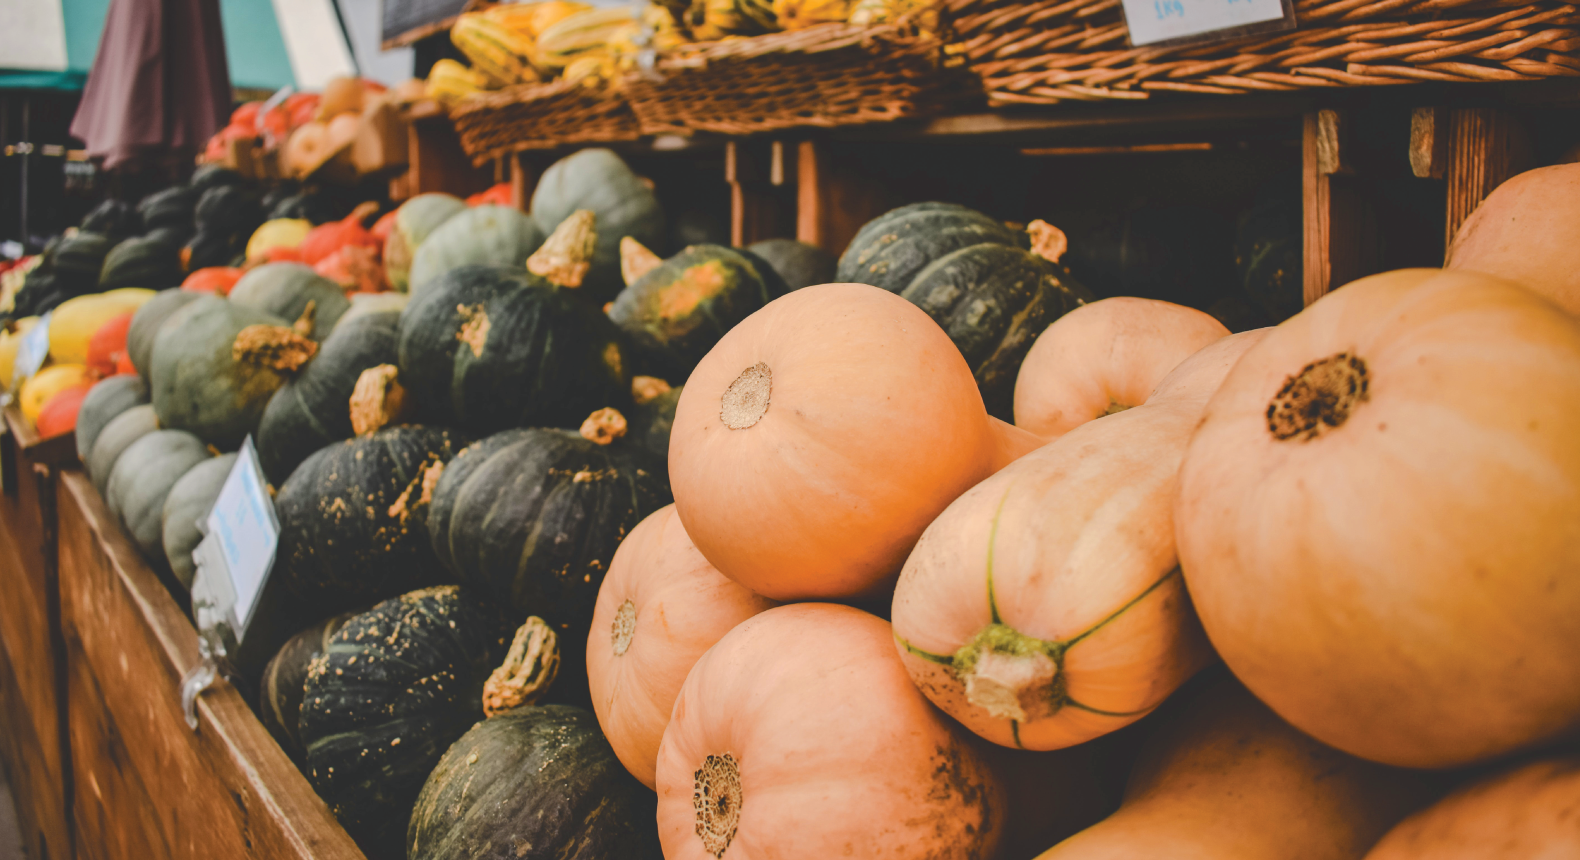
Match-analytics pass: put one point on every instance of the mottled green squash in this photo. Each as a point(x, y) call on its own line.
point(152, 262)
point(146, 323)
point(141, 480)
point(115, 438)
point(352, 518)
point(415, 220)
point(188, 503)
point(678, 310)
point(480, 236)
point(598, 180)
point(485, 348)
point(79, 259)
point(534, 783)
point(396, 687)
point(890, 250)
point(106, 399)
point(363, 304)
point(171, 207)
point(114, 218)
point(285, 681)
point(284, 289)
point(798, 264)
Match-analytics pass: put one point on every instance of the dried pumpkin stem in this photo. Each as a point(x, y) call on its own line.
point(604, 426)
point(273, 346)
point(746, 401)
point(1048, 241)
point(1011, 675)
point(716, 798)
point(646, 389)
point(636, 260)
point(378, 399)
point(529, 668)
point(566, 255)
point(1319, 398)
point(304, 323)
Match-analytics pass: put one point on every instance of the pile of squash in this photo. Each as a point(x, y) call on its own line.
point(593, 549)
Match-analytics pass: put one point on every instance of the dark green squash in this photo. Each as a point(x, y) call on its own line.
point(146, 323)
point(312, 410)
point(530, 519)
point(678, 310)
point(115, 438)
point(533, 783)
point(486, 348)
point(798, 264)
point(151, 262)
point(226, 217)
point(40, 292)
point(116, 219)
point(479, 236)
point(284, 682)
point(188, 503)
point(415, 220)
point(396, 687)
point(209, 176)
point(598, 180)
point(141, 480)
point(106, 399)
point(171, 207)
point(79, 259)
point(284, 289)
point(352, 518)
point(649, 423)
point(993, 300)
point(363, 304)
point(1270, 256)
point(890, 250)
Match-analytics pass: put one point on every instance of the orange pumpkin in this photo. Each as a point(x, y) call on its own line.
point(108, 344)
point(1044, 607)
point(1525, 231)
point(821, 435)
point(799, 736)
point(214, 279)
point(1377, 519)
point(660, 607)
point(1105, 357)
point(1226, 778)
point(1524, 813)
point(323, 241)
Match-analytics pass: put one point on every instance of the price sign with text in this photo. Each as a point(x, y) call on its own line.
point(240, 537)
point(1174, 22)
point(31, 352)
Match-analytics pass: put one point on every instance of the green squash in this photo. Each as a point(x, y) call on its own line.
point(146, 323)
point(530, 519)
point(151, 262)
point(363, 304)
point(171, 207)
point(115, 438)
point(677, 311)
point(116, 219)
point(649, 423)
point(284, 289)
point(188, 503)
point(141, 480)
point(284, 680)
point(534, 783)
point(79, 259)
point(198, 383)
point(106, 399)
point(482, 235)
point(312, 410)
point(598, 180)
point(485, 348)
point(798, 264)
point(1270, 256)
point(414, 221)
point(210, 176)
point(890, 250)
point(396, 687)
point(352, 518)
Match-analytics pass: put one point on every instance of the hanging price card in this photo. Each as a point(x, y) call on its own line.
point(234, 559)
point(30, 354)
point(1173, 22)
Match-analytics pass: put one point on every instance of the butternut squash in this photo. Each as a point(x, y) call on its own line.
point(1527, 812)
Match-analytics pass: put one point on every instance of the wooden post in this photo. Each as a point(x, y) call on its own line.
point(523, 181)
point(1429, 142)
point(1485, 147)
point(1341, 235)
point(437, 161)
point(756, 199)
point(833, 200)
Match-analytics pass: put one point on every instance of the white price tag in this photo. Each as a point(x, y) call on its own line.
point(1175, 21)
point(33, 350)
point(237, 551)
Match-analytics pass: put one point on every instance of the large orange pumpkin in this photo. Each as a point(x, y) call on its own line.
point(799, 736)
point(1226, 778)
point(1105, 357)
point(660, 607)
point(821, 435)
point(1379, 519)
point(1044, 607)
point(1525, 813)
point(1525, 231)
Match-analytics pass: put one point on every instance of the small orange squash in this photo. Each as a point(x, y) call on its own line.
point(660, 607)
point(1105, 357)
point(214, 279)
point(1379, 519)
point(821, 435)
point(1525, 813)
point(799, 736)
point(59, 415)
point(108, 344)
point(1525, 231)
point(1224, 778)
point(1044, 607)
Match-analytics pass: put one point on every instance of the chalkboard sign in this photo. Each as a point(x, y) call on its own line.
point(406, 21)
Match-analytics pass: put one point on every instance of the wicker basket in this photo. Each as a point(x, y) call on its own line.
point(826, 75)
point(541, 116)
point(1054, 50)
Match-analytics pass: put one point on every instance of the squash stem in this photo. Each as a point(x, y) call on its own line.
point(1011, 675)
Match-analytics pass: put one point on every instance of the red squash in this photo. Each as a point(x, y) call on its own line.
point(325, 239)
point(499, 195)
point(108, 344)
point(214, 279)
point(60, 413)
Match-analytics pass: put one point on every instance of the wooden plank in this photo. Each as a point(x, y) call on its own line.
point(34, 787)
point(758, 204)
point(1341, 237)
point(1429, 142)
point(226, 790)
point(523, 181)
point(833, 200)
point(437, 162)
point(1485, 147)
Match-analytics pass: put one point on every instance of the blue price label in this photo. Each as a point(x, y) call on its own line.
point(1154, 21)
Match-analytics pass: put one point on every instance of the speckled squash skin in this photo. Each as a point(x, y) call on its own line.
point(142, 479)
point(146, 323)
point(189, 501)
point(117, 436)
point(890, 250)
point(534, 783)
point(284, 289)
point(675, 313)
point(198, 385)
point(313, 410)
point(285, 680)
point(396, 687)
point(352, 519)
point(485, 349)
point(107, 399)
point(530, 519)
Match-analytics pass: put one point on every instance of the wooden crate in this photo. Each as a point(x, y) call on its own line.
point(147, 785)
point(32, 691)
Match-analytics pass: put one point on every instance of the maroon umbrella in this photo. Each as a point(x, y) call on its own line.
point(159, 85)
